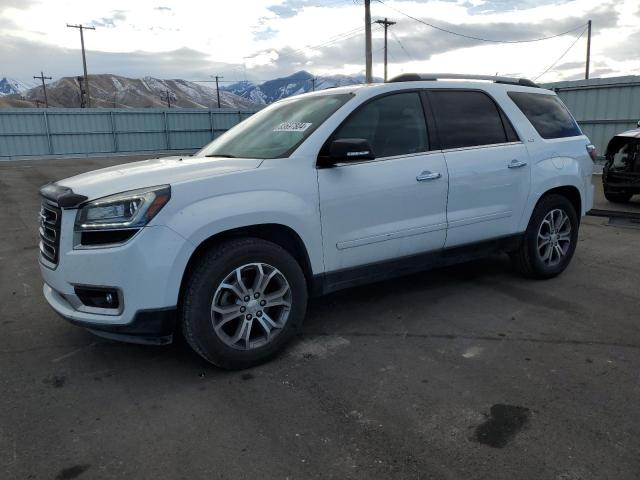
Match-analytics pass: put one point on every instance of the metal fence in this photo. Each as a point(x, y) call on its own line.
point(602, 106)
point(70, 131)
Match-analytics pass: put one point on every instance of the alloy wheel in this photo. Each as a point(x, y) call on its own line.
point(554, 237)
point(251, 306)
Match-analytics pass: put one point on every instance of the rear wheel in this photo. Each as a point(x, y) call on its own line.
point(617, 197)
point(550, 240)
point(243, 302)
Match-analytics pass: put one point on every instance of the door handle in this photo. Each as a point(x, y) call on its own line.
point(516, 163)
point(427, 175)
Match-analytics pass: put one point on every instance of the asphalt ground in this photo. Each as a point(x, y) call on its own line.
point(470, 372)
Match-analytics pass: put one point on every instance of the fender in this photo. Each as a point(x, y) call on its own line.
point(250, 208)
point(549, 174)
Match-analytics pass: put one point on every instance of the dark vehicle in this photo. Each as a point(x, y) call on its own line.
point(621, 173)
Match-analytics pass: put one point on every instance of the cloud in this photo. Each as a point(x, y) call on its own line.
point(421, 43)
point(21, 4)
point(110, 21)
point(627, 49)
point(58, 62)
point(266, 39)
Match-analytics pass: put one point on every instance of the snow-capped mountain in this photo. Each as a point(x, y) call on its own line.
point(10, 86)
point(114, 91)
point(299, 82)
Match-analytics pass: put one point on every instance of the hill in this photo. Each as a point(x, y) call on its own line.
point(114, 91)
point(300, 82)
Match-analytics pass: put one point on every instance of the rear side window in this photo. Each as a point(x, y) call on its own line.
point(393, 125)
point(468, 119)
point(547, 114)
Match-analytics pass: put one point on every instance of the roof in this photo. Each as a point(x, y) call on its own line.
point(414, 77)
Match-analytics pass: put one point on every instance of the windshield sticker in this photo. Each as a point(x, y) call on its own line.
point(292, 127)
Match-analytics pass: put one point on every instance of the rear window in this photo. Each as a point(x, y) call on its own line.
point(469, 119)
point(547, 114)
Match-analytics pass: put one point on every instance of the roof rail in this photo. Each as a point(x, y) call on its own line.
point(415, 77)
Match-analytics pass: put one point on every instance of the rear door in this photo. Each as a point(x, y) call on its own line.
point(392, 206)
point(489, 171)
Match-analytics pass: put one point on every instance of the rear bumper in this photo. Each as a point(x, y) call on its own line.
point(620, 180)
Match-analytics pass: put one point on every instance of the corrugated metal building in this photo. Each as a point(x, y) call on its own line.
point(71, 131)
point(602, 106)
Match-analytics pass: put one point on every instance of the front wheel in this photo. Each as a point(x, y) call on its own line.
point(243, 302)
point(550, 240)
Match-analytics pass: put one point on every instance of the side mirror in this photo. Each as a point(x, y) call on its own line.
point(350, 150)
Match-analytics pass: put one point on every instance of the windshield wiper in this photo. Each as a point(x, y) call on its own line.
point(221, 155)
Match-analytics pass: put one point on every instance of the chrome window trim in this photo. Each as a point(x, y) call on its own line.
point(384, 159)
point(477, 147)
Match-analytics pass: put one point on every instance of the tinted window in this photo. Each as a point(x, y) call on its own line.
point(393, 125)
point(276, 131)
point(547, 114)
point(467, 119)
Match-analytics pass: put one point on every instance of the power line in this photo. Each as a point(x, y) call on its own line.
point(395, 37)
point(563, 54)
point(337, 38)
point(480, 39)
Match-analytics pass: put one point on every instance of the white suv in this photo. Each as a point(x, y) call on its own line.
point(315, 193)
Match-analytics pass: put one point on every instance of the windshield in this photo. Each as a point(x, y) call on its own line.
point(276, 131)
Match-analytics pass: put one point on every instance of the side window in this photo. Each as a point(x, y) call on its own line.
point(393, 125)
point(468, 119)
point(547, 114)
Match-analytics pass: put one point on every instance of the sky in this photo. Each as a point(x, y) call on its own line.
point(264, 39)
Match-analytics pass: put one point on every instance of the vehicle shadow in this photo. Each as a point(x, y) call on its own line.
point(330, 314)
point(380, 294)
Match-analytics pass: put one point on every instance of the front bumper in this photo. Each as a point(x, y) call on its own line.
point(146, 271)
point(148, 326)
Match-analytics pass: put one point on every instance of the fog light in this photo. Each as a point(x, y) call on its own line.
point(98, 297)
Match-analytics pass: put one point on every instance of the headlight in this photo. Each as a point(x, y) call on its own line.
point(132, 209)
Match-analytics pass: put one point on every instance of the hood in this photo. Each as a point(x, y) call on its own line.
point(149, 173)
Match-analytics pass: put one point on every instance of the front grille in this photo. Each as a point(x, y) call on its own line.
point(50, 218)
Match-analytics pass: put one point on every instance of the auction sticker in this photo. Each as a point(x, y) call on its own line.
point(292, 127)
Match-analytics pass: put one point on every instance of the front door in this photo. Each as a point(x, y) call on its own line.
point(390, 207)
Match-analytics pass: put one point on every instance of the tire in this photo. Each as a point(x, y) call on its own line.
point(540, 260)
point(214, 295)
point(617, 197)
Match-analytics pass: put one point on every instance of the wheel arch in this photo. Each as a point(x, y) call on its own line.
point(281, 235)
point(570, 192)
point(567, 189)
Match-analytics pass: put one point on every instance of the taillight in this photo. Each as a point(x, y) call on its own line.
point(593, 152)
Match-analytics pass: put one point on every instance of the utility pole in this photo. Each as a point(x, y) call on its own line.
point(218, 77)
point(84, 60)
point(83, 96)
point(313, 84)
point(386, 24)
point(586, 73)
point(44, 88)
point(367, 41)
point(166, 95)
